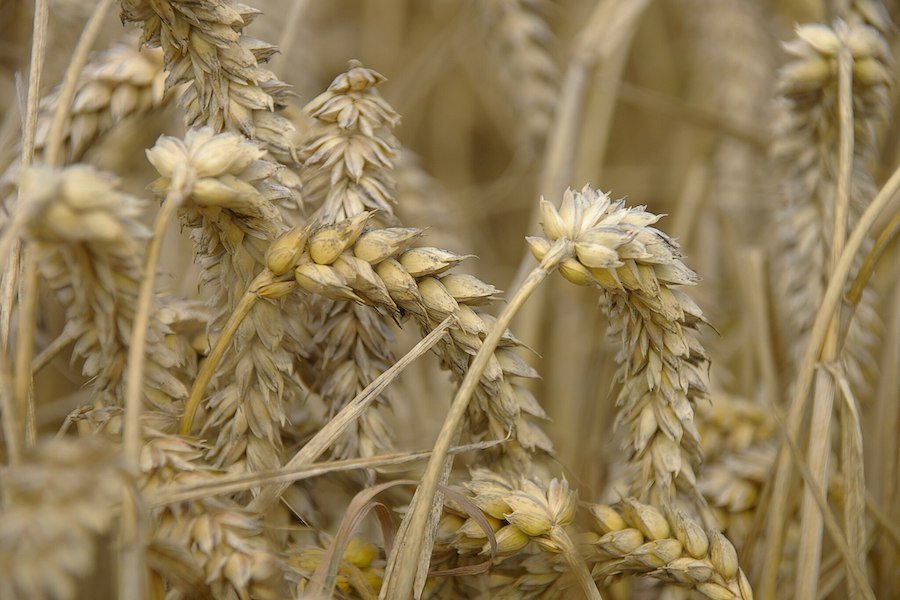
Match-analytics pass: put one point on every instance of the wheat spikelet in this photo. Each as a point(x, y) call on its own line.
point(806, 155)
point(662, 365)
point(58, 506)
point(518, 37)
point(87, 236)
point(226, 88)
point(230, 209)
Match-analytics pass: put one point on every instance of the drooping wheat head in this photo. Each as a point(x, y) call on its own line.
point(662, 365)
point(87, 236)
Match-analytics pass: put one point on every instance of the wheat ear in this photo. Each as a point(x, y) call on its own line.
point(116, 84)
point(629, 537)
point(86, 236)
point(519, 39)
point(210, 546)
point(204, 48)
point(59, 505)
point(662, 365)
point(349, 159)
point(808, 132)
point(637, 538)
point(833, 95)
point(230, 208)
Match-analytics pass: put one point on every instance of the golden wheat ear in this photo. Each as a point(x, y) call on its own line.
point(87, 239)
point(662, 365)
point(230, 208)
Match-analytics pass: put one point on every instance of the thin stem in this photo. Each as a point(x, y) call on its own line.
point(131, 436)
point(208, 368)
point(810, 550)
point(51, 351)
point(409, 550)
point(831, 523)
point(9, 243)
point(35, 69)
point(53, 147)
point(288, 474)
point(852, 298)
point(576, 563)
point(760, 317)
point(24, 384)
point(132, 539)
point(10, 422)
point(132, 560)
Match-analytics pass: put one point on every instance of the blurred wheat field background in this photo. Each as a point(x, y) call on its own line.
point(521, 299)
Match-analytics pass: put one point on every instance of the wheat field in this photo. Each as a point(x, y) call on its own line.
point(439, 299)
